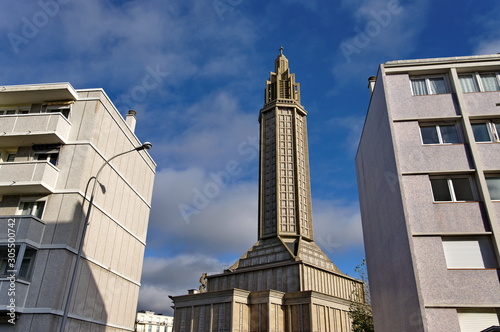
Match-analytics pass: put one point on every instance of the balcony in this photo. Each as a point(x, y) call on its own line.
point(34, 177)
point(37, 128)
point(26, 227)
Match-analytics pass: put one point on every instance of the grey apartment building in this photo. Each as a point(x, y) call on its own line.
point(54, 141)
point(428, 168)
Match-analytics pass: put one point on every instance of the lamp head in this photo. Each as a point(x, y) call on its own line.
point(145, 146)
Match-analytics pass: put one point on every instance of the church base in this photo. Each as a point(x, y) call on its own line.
point(273, 311)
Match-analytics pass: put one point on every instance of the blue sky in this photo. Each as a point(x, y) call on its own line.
point(195, 73)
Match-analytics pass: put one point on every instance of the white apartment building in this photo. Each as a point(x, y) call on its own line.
point(54, 141)
point(428, 168)
point(148, 321)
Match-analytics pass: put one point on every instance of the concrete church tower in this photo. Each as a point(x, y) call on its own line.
point(285, 282)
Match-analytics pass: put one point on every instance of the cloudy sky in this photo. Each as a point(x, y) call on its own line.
point(195, 73)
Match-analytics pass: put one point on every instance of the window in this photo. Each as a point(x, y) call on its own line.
point(429, 85)
point(8, 155)
point(64, 110)
point(16, 110)
point(47, 152)
point(486, 131)
point(494, 187)
point(480, 82)
point(439, 134)
point(477, 319)
point(25, 261)
point(32, 209)
point(452, 189)
point(468, 253)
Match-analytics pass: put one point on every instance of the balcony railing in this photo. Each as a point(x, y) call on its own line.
point(39, 128)
point(34, 177)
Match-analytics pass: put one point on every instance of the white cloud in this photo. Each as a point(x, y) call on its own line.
point(488, 47)
point(215, 131)
point(215, 213)
point(162, 277)
point(487, 40)
point(337, 226)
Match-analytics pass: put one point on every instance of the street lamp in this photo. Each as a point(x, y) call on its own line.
point(145, 146)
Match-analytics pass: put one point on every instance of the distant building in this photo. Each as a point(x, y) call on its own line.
point(53, 140)
point(428, 169)
point(285, 282)
point(148, 321)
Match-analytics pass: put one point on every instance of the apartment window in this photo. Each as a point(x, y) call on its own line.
point(486, 131)
point(480, 82)
point(32, 209)
point(469, 253)
point(64, 110)
point(429, 85)
point(25, 261)
point(439, 134)
point(13, 111)
point(8, 155)
point(452, 189)
point(493, 183)
point(477, 319)
point(48, 153)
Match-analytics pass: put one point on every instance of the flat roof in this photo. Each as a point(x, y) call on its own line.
point(456, 59)
point(36, 93)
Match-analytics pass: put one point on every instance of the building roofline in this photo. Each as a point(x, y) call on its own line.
point(456, 59)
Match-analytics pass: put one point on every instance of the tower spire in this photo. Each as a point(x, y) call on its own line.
point(281, 84)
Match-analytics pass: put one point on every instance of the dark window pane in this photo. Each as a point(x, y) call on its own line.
point(449, 134)
point(27, 263)
point(494, 187)
point(39, 209)
point(462, 188)
point(440, 190)
point(429, 135)
point(481, 133)
point(4, 259)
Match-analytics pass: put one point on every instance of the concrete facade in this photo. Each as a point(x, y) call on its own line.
point(285, 282)
point(53, 140)
point(432, 260)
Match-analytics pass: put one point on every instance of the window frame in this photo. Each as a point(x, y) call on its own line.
point(491, 126)
point(478, 82)
point(65, 110)
point(427, 79)
point(20, 256)
point(451, 188)
point(38, 204)
point(6, 155)
point(485, 254)
point(438, 126)
point(18, 110)
point(51, 153)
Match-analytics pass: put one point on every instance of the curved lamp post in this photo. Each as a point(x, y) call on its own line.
point(145, 146)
